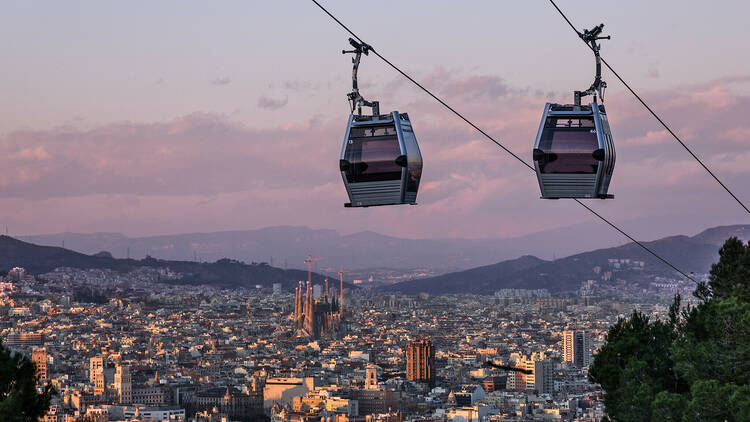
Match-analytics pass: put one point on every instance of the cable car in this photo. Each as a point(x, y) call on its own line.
point(380, 160)
point(574, 154)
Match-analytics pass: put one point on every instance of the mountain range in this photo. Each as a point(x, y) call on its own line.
point(223, 273)
point(689, 254)
point(287, 246)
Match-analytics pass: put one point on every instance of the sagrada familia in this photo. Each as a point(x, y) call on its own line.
point(317, 317)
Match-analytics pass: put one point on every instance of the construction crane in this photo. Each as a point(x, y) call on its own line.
point(309, 260)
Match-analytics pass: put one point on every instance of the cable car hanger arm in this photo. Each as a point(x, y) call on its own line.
point(356, 100)
point(597, 88)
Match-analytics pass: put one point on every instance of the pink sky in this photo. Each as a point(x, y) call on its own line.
point(261, 149)
point(205, 171)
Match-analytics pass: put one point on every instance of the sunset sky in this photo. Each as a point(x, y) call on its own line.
point(165, 117)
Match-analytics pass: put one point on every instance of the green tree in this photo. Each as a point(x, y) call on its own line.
point(731, 275)
point(693, 367)
point(19, 399)
point(635, 365)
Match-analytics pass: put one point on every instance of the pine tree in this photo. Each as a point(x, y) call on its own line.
point(19, 399)
point(693, 367)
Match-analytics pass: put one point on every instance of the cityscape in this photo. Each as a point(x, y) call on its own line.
point(136, 346)
point(401, 211)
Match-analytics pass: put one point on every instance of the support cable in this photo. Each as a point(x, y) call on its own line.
point(656, 116)
point(496, 142)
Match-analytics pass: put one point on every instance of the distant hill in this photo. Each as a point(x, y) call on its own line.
point(690, 254)
point(288, 246)
point(481, 280)
point(223, 273)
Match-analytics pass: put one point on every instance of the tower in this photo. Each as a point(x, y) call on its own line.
point(123, 384)
point(296, 303)
point(371, 378)
point(420, 362)
point(341, 291)
point(309, 317)
point(39, 357)
point(96, 364)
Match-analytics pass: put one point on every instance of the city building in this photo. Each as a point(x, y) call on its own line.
point(123, 384)
point(420, 362)
point(316, 318)
point(544, 372)
point(494, 383)
point(371, 377)
point(23, 340)
point(96, 365)
point(235, 404)
point(39, 357)
point(576, 348)
point(284, 390)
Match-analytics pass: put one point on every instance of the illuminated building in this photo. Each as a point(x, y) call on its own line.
point(313, 317)
point(420, 362)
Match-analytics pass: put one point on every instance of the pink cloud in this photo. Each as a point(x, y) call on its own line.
point(739, 134)
point(715, 97)
point(651, 137)
point(206, 171)
point(32, 154)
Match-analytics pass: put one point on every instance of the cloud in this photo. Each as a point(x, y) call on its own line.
point(223, 80)
point(32, 154)
point(198, 154)
point(738, 134)
point(650, 138)
point(272, 103)
point(206, 171)
point(487, 87)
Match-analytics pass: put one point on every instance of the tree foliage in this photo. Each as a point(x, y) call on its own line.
point(19, 399)
point(693, 367)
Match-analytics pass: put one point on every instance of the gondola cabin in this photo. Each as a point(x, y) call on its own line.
point(574, 155)
point(380, 160)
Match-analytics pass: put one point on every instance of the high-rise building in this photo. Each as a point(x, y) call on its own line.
point(568, 340)
point(123, 384)
point(39, 357)
point(576, 348)
point(277, 289)
point(96, 374)
point(544, 376)
point(420, 362)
